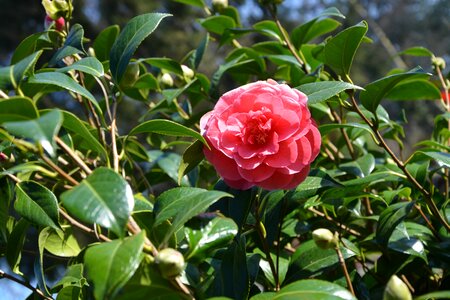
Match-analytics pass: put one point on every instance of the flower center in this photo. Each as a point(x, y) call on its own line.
point(257, 129)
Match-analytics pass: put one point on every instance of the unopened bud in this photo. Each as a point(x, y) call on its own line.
point(167, 80)
point(170, 262)
point(396, 289)
point(324, 238)
point(219, 5)
point(91, 52)
point(59, 23)
point(3, 157)
point(57, 8)
point(438, 62)
point(188, 73)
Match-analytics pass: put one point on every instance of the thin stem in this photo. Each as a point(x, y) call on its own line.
point(73, 155)
point(344, 269)
point(25, 284)
point(60, 171)
point(113, 139)
point(402, 166)
point(83, 227)
point(280, 227)
point(342, 226)
point(348, 142)
point(3, 94)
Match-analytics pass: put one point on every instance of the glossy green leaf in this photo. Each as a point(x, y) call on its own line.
point(313, 289)
point(37, 204)
point(375, 91)
point(324, 90)
point(41, 130)
point(218, 24)
point(214, 235)
point(311, 186)
point(72, 45)
point(63, 81)
point(136, 30)
point(15, 244)
point(70, 293)
point(88, 65)
point(198, 3)
point(264, 296)
point(17, 109)
point(417, 51)
point(192, 156)
point(401, 241)
point(340, 51)
point(181, 204)
point(269, 28)
point(389, 219)
point(104, 41)
point(10, 77)
point(440, 157)
point(165, 64)
point(310, 260)
point(199, 52)
point(434, 295)
point(72, 276)
point(104, 198)
point(166, 127)
point(414, 90)
point(58, 242)
point(30, 45)
point(283, 264)
point(110, 265)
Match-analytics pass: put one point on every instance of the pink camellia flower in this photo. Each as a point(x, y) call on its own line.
point(59, 23)
point(261, 134)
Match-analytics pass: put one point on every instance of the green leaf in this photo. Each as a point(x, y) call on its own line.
point(434, 295)
point(37, 204)
point(104, 41)
point(110, 265)
point(165, 64)
point(198, 3)
point(30, 45)
point(313, 289)
point(417, 51)
point(264, 296)
point(72, 45)
point(181, 204)
point(12, 76)
point(136, 30)
point(214, 235)
point(389, 219)
point(15, 244)
point(69, 293)
point(375, 91)
point(60, 243)
point(324, 90)
point(63, 81)
point(341, 49)
point(17, 109)
point(166, 127)
point(269, 28)
point(414, 90)
point(88, 65)
point(199, 52)
point(309, 260)
point(440, 157)
point(218, 24)
point(192, 156)
point(41, 131)
point(311, 186)
point(402, 241)
point(73, 276)
point(104, 198)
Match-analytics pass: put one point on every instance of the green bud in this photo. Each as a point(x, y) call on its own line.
point(219, 5)
point(56, 9)
point(396, 289)
point(170, 262)
point(167, 80)
point(324, 238)
point(130, 76)
point(188, 73)
point(438, 62)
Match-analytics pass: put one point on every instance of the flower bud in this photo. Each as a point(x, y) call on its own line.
point(3, 157)
point(167, 80)
point(188, 73)
point(324, 238)
point(130, 76)
point(57, 8)
point(219, 5)
point(59, 23)
point(170, 262)
point(438, 62)
point(396, 289)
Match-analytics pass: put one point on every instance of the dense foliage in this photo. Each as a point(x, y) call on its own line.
point(133, 211)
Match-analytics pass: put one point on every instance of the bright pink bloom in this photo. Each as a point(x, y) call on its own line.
point(261, 134)
point(59, 23)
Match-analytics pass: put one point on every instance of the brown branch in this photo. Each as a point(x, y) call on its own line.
point(60, 171)
point(25, 284)
point(344, 269)
point(73, 155)
point(83, 227)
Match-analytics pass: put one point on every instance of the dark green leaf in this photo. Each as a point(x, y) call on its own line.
point(181, 204)
point(37, 204)
point(73, 276)
point(110, 265)
point(41, 131)
point(324, 90)
point(216, 234)
point(165, 64)
point(10, 77)
point(104, 41)
point(166, 127)
point(269, 28)
point(341, 49)
point(104, 197)
point(374, 92)
point(199, 52)
point(218, 24)
point(136, 30)
point(65, 82)
point(17, 109)
point(30, 45)
point(88, 65)
point(58, 242)
point(15, 244)
point(417, 51)
point(192, 156)
point(414, 90)
point(69, 293)
point(313, 289)
point(389, 219)
point(72, 45)
point(440, 157)
point(402, 241)
point(198, 3)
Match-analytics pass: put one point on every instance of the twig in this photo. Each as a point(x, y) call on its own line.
point(60, 171)
point(342, 226)
point(344, 269)
point(73, 155)
point(3, 94)
point(83, 227)
point(113, 139)
point(25, 284)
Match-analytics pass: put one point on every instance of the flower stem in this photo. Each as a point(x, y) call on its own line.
point(344, 269)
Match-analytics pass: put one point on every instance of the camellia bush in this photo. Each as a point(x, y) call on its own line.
point(291, 184)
